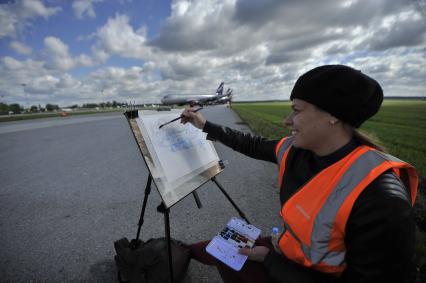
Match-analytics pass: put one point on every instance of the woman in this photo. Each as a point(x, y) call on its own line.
point(346, 205)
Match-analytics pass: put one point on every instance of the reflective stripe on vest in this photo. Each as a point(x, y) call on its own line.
point(319, 233)
point(282, 147)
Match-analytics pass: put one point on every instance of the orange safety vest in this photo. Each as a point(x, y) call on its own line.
point(315, 216)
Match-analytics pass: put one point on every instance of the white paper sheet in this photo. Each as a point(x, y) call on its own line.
point(180, 149)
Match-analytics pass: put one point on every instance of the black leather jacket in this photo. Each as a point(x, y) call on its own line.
point(380, 232)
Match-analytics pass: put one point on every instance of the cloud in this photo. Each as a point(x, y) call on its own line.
point(56, 46)
point(207, 41)
point(258, 13)
point(400, 72)
point(14, 73)
point(182, 68)
point(257, 49)
point(8, 22)
point(35, 8)
point(43, 84)
point(66, 81)
point(84, 8)
point(278, 58)
point(407, 28)
point(15, 16)
point(10, 63)
point(20, 48)
point(136, 83)
point(59, 57)
point(192, 26)
point(58, 52)
point(117, 36)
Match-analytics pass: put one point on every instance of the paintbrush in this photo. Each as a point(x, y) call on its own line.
point(180, 117)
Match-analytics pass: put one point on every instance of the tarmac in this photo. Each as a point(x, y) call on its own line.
point(71, 186)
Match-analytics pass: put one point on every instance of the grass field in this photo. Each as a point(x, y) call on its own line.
point(400, 126)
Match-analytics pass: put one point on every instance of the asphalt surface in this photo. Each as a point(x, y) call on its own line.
point(70, 187)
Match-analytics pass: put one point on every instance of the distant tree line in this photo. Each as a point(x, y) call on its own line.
point(107, 104)
point(15, 108)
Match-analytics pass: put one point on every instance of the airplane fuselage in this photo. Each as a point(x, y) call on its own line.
point(182, 100)
point(197, 99)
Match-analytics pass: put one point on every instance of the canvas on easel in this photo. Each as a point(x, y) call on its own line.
point(178, 156)
point(179, 160)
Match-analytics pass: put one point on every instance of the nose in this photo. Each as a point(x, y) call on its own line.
point(288, 121)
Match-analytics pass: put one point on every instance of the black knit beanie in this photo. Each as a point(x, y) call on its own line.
point(342, 91)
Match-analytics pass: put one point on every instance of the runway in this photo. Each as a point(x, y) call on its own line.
point(70, 187)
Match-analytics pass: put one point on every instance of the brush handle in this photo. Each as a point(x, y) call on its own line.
point(180, 117)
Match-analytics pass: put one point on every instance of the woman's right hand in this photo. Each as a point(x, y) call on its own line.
point(196, 119)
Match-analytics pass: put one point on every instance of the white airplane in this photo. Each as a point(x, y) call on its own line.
point(200, 99)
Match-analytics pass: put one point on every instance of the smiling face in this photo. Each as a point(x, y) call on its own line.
point(310, 126)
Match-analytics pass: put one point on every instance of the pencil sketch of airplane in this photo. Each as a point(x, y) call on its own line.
point(200, 99)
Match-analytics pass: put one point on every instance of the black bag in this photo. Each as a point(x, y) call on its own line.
point(148, 261)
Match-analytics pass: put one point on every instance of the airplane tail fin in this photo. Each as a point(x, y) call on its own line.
point(228, 92)
point(219, 90)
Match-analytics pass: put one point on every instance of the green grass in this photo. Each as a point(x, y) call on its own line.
point(400, 126)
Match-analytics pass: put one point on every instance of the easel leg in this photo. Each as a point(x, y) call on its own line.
point(169, 243)
point(230, 200)
point(135, 242)
point(197, 199)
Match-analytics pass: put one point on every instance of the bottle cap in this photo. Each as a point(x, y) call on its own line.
point(275, 230)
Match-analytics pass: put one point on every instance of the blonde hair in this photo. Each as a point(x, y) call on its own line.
point(365, 139)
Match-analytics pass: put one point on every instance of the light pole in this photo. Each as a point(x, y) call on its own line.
point(26, 96)
point(102, 99)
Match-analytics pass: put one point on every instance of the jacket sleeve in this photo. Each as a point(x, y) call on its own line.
point(380, 237)
point(380, 234)
point(253, 146)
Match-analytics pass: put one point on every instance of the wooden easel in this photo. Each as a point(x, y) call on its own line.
point(162, 208)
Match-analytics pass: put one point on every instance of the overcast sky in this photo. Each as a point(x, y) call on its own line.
point(67, 52)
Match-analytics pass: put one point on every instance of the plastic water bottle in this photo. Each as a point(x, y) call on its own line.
point(275, 235)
